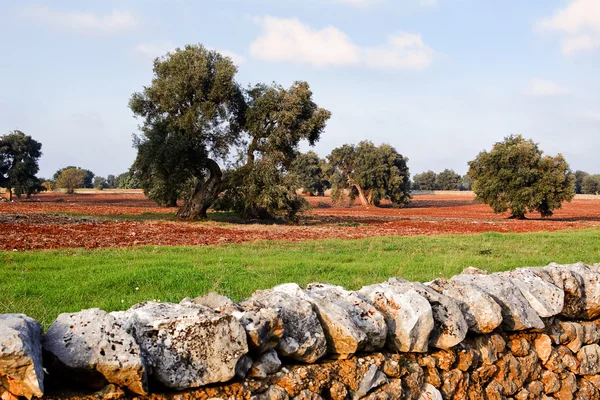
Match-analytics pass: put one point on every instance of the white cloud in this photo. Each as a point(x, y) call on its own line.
point(151, 50)
point(543, 88)
point(84, 21)
point(291, 40)
point(579, 26)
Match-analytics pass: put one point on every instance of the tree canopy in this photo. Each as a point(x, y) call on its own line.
point(71, 179)
point(425, 181)
point(310, 173)
point(516, 176)
point(448, 180)
point(590, 184)
point(371, 173)
point(88, 176)
point(196, 118)
point(19, 155)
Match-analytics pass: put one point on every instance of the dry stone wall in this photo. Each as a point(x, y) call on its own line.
point(531, 333)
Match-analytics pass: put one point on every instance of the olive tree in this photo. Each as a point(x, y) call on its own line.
point(425, 181)
point(590, 184)
point(448, 180)
point(19, 155)
point(310, 173)
point(371, 173)
point(516, 176)
point(71, 179)
point(196, 118)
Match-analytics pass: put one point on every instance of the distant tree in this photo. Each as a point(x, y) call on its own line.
point(19, 155)
point(111, 182)
point(100, 183)
point(466, 183)
point(516, 176)
point(71, 179)
point(88, 178)
point(371, 173)
point(590, 184)
point(579, 176)
point(127, 180)
point(310, 172)
point(425, 181)
point(448, 180)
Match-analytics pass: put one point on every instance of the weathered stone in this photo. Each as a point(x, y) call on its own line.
point(535, 388)
point(92, 340)
point(276, 393)
point(187, 346)
point(408, 315)
point(594, 380)
point(451, 383)
point(517, 313)
point(589, 360)
point(429, 392)
point(267, 363)
point(545, 298)
point(591, 288)
point(303, 338)
point(213, 300)
point(480, 310)
point(350, 323)
point(338, 391)
point(372, 379)
point(551, 382)
point(591, 333)
point(264, 328)
point(568, 359)
point(494, 391)
point(21, 371)
point(110, 392)
point(444, 359)
point(509, 375)
point(308, 395)
point(570, 282)
point(519, 346)
point(543, 347)
point(568, 387)
point(474, 271)
point(586, 390)
point(489, 347)
point(467, 359)
point(450, 327)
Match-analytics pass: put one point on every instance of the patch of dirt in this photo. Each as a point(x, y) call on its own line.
point(33, 224)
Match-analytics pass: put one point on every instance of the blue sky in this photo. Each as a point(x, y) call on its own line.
point(440, 80)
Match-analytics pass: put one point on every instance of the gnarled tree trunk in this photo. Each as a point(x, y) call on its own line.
point(205, 194)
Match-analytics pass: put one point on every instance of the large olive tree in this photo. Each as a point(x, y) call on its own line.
point(516, 176)
point(196, 118)
point(371, 173)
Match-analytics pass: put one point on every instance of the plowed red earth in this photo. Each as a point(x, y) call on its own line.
point(35, 224)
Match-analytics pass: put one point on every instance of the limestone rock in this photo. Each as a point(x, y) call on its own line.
point(213, 300)
point(589, 360)
point(372, 379)
point(543, 347)
point(92, 340)
point(360, 312)
point(480, 310)
point(187, 346)
point(450, 327)
point(264, 328)
point(429, 392)
point(268, 363)
point(570, 282)
point(303, 338)
point(408, 315)
point(591, 288)
point(517, 314)
point(21, 371)
point(546, 298)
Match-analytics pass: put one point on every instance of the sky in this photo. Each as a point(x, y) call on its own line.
point(440, 80)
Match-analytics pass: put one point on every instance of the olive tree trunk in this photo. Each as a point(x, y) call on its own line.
point(204, 195)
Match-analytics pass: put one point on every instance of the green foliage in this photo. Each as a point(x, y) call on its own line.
point(88, 178)
point(100, 183)
point(372, 173)
point(71, 179)
point(579, 176)
point(127, 180)
point(111, 181)
point(424, 181)
point(19, 155)
point(448, 180)
point(515, 176)
point(310, 173)
point(590, 184)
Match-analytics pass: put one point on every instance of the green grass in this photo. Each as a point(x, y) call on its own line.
point(44, 283)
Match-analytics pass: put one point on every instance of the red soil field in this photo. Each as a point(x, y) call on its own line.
point(95, 220)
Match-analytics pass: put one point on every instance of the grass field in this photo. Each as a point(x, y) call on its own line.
point(45, 283)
